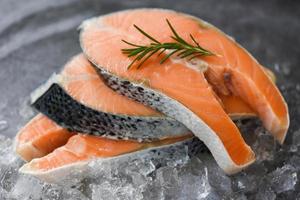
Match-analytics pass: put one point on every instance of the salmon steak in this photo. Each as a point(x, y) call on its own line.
point(182, 90)
point(54, 154)
point(79, 100)
point(83, 152)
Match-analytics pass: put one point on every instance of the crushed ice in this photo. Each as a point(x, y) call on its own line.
point(184, 176)
point(275, 174)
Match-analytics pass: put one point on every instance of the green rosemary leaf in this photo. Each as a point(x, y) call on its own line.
point(135, 45)
point(183, 52)
point(146, 58)
point(161, 52)
point(145, 34)
point(168, 56)
point(176, 36)
point(195, 56)
point(144, 53)
point(186, 54)
point(135, 52)
point(129, 66)
point(184, 49)
point(195, 41)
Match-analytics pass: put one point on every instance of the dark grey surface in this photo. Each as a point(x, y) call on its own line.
point(38, 36)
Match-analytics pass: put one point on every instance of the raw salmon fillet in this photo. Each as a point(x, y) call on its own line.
point(178, 90)
point(80, 150)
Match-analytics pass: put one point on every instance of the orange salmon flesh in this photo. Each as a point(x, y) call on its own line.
point(39, 137)
point(234, 69)
point(83, 83)
point(81, 148)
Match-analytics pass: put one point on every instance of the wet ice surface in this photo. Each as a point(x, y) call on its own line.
point(275, 174)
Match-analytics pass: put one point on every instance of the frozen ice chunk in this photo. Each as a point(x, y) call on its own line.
point(8, 177)
point(265, 192)
point(217, 178)
point(264, 146)
point(283, 179)
point(26, 188)
point(195, 186)
point(108, 191)
point(73, 194)
point(51, 192)
point(141, 167)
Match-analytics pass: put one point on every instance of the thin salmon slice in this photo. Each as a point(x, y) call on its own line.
point(173, 88)
point(82, 149)
point(39, 137)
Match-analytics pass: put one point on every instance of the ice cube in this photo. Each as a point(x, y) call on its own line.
point(73, 194)
point(8, 177)
point(194, 187)
point(244, 183)
point(51, 192)
point(283, 179)
point(141, 167)
point(26, 188)
point(109, 191)
point(216, 176)
point(264, 146)
point(265, 192)
point(167, 179)
point(248, 180)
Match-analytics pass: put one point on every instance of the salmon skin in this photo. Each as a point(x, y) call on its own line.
point(179, 91)
point(78, 100)
point(83, 155)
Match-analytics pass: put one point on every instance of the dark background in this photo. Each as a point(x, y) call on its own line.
point(38, 36)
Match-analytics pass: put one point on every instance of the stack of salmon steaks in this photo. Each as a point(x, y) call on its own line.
point(96, 109)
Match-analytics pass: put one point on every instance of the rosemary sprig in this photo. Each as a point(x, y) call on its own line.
point(182, 48)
